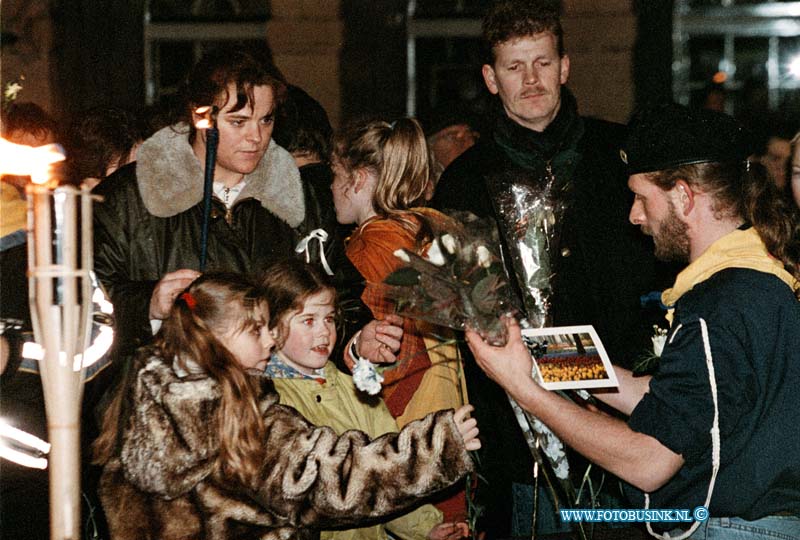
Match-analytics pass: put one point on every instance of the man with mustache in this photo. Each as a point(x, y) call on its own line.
point(602, 264)
point(715, 426)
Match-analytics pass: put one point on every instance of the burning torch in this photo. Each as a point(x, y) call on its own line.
point(208, 122)
point(61, 295)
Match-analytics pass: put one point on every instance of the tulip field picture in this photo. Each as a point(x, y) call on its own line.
point(570, 357)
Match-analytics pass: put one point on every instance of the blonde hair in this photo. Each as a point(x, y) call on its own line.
point(397, 154)
point(215, 305)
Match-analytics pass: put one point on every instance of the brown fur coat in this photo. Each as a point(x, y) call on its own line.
point(162, 484)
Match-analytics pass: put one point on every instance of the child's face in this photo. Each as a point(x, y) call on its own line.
point(250, 346)
point(311, 334)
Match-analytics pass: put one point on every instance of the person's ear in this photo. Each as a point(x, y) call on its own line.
point(490, 78)
point(360, 178)
point(564, 69)
point(685, 196)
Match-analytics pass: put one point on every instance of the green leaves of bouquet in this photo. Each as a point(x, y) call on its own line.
point(459, 283)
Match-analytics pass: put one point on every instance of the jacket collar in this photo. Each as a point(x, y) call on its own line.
point(737, 249)
point(278, 369)
point(170, 178)
point(14, 210)
point(527, 147)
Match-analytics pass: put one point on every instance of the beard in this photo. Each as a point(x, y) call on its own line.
point(671, 241)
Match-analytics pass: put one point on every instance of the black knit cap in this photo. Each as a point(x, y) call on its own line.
point(669, 135)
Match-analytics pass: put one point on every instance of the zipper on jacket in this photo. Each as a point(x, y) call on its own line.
point(229, 211)
point(548, 167)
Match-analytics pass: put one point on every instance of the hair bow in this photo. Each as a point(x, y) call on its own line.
point(321, 236)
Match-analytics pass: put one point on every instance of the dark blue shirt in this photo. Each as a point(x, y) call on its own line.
point(753, 322)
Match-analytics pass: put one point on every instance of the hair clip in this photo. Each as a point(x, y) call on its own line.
point(189, 300)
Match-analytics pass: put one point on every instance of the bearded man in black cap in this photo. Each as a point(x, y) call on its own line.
point(601, 265)
point(716, 425)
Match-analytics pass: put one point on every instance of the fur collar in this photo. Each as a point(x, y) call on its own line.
point(170, 178)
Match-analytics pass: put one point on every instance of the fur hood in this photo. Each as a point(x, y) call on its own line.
point(170, 177)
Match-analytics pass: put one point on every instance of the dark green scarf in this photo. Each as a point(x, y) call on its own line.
point(556, 146)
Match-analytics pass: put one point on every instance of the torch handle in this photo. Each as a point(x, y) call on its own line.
point(212, 140)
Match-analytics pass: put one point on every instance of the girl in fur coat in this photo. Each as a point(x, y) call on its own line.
point(196, 445)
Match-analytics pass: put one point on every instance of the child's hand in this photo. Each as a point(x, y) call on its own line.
point(449, 531)
point(468, 427)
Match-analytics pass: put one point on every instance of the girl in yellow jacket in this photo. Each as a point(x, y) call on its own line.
point(303, 309)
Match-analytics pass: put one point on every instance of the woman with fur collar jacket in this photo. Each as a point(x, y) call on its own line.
point(148, 224)
point(147, 229)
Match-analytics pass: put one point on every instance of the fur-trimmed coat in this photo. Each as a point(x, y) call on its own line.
point(150, 219)
point(162, 484)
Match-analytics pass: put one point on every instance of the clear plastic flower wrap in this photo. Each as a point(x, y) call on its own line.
point(529, 216)
point(460, 282)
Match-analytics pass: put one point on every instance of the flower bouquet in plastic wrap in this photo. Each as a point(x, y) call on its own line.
point(459, 283)
point(463, 282)
point(529, 216)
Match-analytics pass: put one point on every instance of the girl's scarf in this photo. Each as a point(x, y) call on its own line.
point(278, 369)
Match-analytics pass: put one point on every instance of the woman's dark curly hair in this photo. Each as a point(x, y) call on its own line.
point(244, 66)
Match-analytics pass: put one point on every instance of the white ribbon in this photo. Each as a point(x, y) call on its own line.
point(715, 437)
point(321, 236)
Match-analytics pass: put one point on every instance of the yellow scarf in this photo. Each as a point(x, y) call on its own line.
point(13, 210)
point(738, 249)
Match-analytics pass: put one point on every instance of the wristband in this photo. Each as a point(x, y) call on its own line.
point(354, 348)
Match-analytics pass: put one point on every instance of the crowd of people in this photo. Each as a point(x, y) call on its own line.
point(228, 408)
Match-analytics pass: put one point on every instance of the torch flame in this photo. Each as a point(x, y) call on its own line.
point(207, 114)
point(21, 160)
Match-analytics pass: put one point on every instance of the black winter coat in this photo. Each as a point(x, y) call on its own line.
point(604, 263)
point(149, 224)
point(603, 266)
